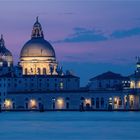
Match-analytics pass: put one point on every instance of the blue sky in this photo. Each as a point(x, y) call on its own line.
point(90, 37)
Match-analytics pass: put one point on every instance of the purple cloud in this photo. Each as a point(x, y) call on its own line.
point(83, 35)
point(125, 33)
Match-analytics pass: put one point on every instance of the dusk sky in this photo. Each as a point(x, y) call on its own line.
point(89, 36)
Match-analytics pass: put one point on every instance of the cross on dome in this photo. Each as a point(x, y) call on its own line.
point(37, 19)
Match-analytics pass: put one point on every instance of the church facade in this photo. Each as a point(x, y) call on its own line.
point(38, 83)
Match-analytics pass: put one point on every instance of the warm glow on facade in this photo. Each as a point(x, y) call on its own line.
point(131, 97)
point(38, 67)
point(60, 103)
point(8, 104)
point(87, 102)
point(125, 98)
point(116, 102)
point(33, 104)
point(132, 84)
point(131, 101)
point(135, 84)
point(138, 86)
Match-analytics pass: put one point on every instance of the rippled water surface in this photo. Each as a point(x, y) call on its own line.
point(70, 126)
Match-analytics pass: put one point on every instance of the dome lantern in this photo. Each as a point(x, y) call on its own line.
point(37, 30)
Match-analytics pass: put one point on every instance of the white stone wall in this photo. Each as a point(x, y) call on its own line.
point(75, 100)
point(23, 84)
point(104, 84)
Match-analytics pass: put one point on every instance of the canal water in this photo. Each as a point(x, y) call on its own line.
point(70, 126)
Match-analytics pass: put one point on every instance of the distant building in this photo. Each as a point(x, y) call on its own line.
point(39, 83)
point(109, 81)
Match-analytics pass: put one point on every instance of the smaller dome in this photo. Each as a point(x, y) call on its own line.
point(5, 54)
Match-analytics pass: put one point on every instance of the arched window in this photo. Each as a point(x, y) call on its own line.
point(13, 105)
point(26, 71)
point(67, 105)
point(44, 71)
point(120, 101)
point(38, 71)
point(102, 101)
point(97, 102)
point(31, 70)
point(60, 103)
point(53, 103)
point(33, 104)
point(8, 104)
point(92, 101)
point(67, 102)
point(26, 105)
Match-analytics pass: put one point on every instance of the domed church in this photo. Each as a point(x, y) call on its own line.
point(37, 56)
point(37, 83)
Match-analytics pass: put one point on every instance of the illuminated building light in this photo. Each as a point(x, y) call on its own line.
point(87, 102)
point(138, 65)
point(1, 63)
point(132, 84)
point(110, 101)
point(125, 98)
point(131, 97)
point(60, 103)
point(138, 84)
point(115, 100)
point(61, 85)
point(33, 104)
point(8, 104)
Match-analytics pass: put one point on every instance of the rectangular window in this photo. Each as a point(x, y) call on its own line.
point(61, 85)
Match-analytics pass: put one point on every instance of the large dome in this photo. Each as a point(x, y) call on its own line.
point(37, 47)
point(37, 56)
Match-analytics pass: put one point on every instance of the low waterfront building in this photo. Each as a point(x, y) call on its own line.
point(109, 81)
